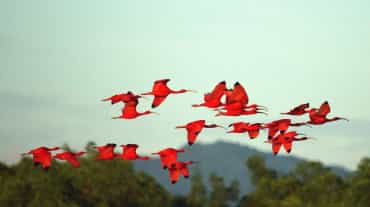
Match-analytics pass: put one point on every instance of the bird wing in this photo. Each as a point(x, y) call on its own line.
point(253, 133)
point(160, 87)
point(174, 174)
point(45, 159)
point(129, 109)
point(288, 145)
point(185, 171)
point(276, 147)
point(74, 161)
point(239, 94)
point(324, 109)
point(158, 100)
point(217, 92)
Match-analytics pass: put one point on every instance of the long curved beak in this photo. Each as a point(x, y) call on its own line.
point(193, 91)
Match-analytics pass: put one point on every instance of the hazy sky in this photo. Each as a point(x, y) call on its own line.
point(59, 58)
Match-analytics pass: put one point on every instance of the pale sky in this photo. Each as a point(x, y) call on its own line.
point(58, 59)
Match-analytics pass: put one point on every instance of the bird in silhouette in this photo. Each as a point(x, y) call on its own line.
point(319, 116)
point(42, 156)
point(213, 99)
point(168, 156)
point(194, 128)
point(160, 91)
point(129, 153)
point(298, 110)
point(70, 157)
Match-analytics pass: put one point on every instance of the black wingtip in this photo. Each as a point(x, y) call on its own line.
point(223, 82)
point(289, 150)
point(190, 143)
point(186, 177)
point(153, 106)
point(237, 83)
point(173, 182)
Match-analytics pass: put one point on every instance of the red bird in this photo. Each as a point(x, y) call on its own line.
point(213, 99)
point(124, 97)
point(319, 116)
point(168, 156)
point(280, 125)
point(239, 127)
point(129, 111)
point(42, 156)
point(129, 153)
point(160, 91)
point(180, 167)
point(106, 152)
point(298, 110)
point(285, 139)
point(70, 157)
point(194, 128)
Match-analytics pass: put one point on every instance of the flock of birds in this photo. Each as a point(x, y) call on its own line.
point(235, 103)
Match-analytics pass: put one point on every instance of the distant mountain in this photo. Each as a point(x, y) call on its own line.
point(226, 160)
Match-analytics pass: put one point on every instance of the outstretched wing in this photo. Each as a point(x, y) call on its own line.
point(324, 109)
point(239, 94)
point(253, 133)
point(158, 100)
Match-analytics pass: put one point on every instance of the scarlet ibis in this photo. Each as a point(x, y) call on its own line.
point(106, 152)
point(213, 99)
point(239, 127)
point(285, 139)
point(129, 111)
point(160, 91)
point(180, 167)
point(298, 110)
point(319, 116)
point(280, 125)
point(194, 128)
point(42, 155)
point(70, 157)
point(168, 156)
point(129, 153)
point(124, 97)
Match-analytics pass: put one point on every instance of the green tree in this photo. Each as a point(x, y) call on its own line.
point(197, 196)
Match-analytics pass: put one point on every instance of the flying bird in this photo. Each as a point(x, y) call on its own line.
point(285, 139)
point(129, 111)
point(213, 99)
point(42, 156)
point(194, 128)
point(298, 110)
point(179, 168)
point(168, 156)
point(129, 153)
point(71, 157)
point(106, 152)
point(160, 91)
point(319, 116)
